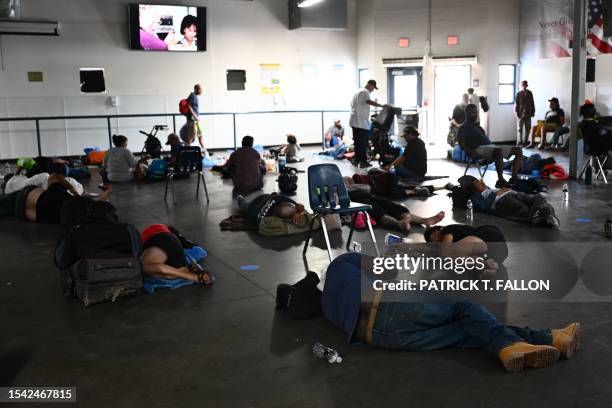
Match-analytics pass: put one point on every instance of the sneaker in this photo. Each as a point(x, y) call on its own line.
point(567, 340)
point(552, 221)
point(520, 355)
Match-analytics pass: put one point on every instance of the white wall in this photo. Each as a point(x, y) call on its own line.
point(241, 35)
point(550, 77)
point(487, 29)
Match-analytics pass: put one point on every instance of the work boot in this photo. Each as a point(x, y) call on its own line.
point(567, 340)
point(520, 355)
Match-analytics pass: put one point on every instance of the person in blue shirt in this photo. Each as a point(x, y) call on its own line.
point(475, 142)
point(334, 135)
point(192, 126)
point(418, 326)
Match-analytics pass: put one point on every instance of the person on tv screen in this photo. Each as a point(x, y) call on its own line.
point(150, 20)
point(189, 30)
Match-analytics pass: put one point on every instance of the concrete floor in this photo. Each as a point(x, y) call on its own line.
point(226, 346)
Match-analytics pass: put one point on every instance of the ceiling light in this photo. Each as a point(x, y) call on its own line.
point(308, 3)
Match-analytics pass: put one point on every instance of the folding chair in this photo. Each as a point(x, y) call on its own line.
point(188, 161)
point(328, 195)
point(479, 163)
point(600, 159)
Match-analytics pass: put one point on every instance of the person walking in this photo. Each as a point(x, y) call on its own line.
point(360, 122)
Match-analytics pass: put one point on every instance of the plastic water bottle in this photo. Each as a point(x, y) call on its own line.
point(282, 162)
point(608, 228)
point(565, 193)
point(327, 353)
point(469, 214)
point(391, 239)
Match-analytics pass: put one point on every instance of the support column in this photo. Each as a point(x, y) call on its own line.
point(579, 55)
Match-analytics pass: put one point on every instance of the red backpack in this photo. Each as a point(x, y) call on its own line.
point(553, 172)
point(184, 106)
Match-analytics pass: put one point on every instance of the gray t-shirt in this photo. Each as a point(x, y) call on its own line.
point(118, 163)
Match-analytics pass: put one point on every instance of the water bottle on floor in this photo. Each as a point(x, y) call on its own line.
point(391, 239)
point(565, 193)
point(282, 162)
point(588, 176)
point(327, 353)
point(469, 211)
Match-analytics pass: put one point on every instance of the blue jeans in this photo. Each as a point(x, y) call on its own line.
point(431, 326)
point(401, 171)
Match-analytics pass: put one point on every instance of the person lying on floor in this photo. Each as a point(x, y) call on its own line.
point(43, 164)
point(510, 204)
point(41, 205)
point(163, 256)
point(416, 326)
point(21, 181)
point(412, 165)
point(475, 142)
point(265, 205)
point(486, 239)
point(390, 214)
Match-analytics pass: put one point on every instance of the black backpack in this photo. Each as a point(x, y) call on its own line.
point(484, 103)
point(459, 196)
point(153, 147)
point(99, 261)
point(287, 181)
point(80, 210)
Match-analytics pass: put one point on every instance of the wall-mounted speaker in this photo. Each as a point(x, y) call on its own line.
point(590, 71)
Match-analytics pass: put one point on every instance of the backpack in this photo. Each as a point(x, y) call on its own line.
point(553, 172)
point(484, 103)
point(287, 180)
point(99, 262)
point(153, 147)
point(157, 170)
point(79, 210)
point(184, 106)
point(459, 196)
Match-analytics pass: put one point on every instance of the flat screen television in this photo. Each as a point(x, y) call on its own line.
point(167, 28)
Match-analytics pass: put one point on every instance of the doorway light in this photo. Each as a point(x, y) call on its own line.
point(308, 3)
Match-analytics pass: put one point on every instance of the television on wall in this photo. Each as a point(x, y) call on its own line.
point(167, 28)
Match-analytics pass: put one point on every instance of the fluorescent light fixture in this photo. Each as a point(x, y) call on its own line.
point(308, 3)
point(24, 27)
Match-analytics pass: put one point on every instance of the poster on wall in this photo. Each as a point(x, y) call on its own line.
point(548, 29)
point(270, 79)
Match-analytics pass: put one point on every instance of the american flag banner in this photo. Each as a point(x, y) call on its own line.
point(597, 43)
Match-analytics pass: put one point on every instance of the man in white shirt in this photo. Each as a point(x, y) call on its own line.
point(360, 122)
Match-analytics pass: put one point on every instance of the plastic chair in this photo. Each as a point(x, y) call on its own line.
point(188, 161)
point(327, 194)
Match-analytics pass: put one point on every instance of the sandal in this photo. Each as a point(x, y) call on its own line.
point(202, 280)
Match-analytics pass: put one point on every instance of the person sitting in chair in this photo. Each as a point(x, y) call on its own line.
point(475, 142)
point(418, 326)
point(553, 120)
point(245, 165)
point(597, 137)
point(412, 165)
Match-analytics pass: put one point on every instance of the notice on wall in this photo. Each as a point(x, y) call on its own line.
point(270, 79)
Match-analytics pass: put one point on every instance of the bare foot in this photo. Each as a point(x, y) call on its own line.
point(405, 223)
point(107, 192)
point(435, 219)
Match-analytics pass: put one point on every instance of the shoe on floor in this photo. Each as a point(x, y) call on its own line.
point(567, 340)
point(520, 355)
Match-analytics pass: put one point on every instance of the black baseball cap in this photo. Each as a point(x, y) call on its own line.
point(554, 100)
point(373, 83)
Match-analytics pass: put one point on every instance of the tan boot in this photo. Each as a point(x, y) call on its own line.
point(520, 355)
point(567, 340)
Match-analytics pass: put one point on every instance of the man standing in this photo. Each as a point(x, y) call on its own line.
point(360, 122)
point(525, 110)
point(193, 117)
point(474, 99)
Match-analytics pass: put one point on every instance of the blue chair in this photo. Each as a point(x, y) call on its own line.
point(188, 161)
point(327, 194)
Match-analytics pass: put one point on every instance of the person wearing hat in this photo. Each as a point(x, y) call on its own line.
point(175, 144)
point(412, 164)
point(554, 119)
point(334, 135)
point(524, 107)
point(360, 122)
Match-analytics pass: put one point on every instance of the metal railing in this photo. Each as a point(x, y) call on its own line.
point(38, 119)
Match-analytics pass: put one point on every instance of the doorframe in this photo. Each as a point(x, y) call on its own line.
point(455, 63)
point(391, 82)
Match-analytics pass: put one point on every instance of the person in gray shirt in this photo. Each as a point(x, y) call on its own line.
point(119, 162)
